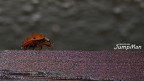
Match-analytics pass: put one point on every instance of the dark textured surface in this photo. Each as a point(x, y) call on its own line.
point(72, 24)
point(114, 65)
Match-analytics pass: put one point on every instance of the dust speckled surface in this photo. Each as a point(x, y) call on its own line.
point(116, 65)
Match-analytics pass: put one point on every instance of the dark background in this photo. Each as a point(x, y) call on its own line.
point(72, 24)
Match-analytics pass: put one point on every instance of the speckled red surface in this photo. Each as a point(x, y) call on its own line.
point(121, 65)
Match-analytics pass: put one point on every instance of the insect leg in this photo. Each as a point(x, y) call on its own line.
point(33, 47)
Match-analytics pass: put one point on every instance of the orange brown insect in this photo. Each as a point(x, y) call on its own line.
point(36, 40)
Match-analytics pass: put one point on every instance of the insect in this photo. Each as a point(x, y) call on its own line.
point(36, 40)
